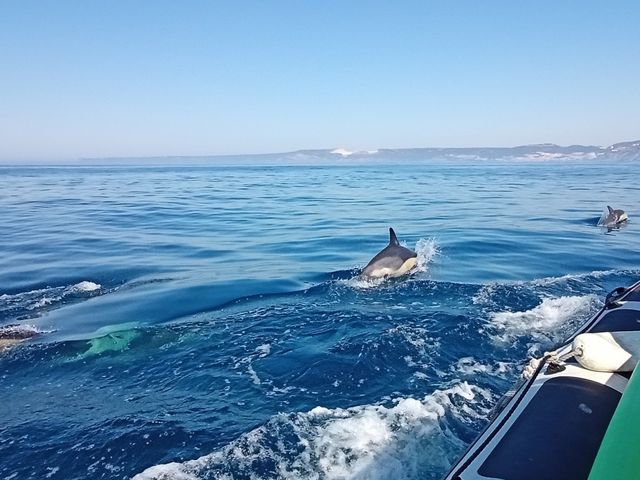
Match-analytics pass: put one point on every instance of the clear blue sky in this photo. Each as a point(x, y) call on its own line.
point(130, 78)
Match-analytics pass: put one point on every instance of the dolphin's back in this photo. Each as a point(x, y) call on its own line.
point(12, 334)
point(394, 260)
point(615, 216)
point(391, 258)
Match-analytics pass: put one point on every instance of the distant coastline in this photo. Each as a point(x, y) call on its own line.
point(545, 152)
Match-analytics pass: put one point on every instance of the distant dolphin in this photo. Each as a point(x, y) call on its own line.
point(393, 261)
point(614, 217)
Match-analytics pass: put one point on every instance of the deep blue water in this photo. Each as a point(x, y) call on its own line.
point(213, 317)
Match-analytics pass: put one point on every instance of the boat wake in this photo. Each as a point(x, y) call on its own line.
point(421, 363)
point(365, 442)
point(543, 321)
point(494, 293)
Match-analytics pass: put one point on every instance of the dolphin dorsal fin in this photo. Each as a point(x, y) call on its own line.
point(393, 240)
point(610, 210)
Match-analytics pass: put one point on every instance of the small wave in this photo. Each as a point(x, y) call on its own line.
point(364, 442)
point(583, 277)
point(540, 321)
point(45, 297)
point(573, 282)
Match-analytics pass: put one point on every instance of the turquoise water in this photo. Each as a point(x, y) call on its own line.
point(208, 322)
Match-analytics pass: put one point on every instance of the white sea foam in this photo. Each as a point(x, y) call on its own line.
point(419, 338)
point(541, 320)
point(85, 286)
point(247, 362)
point(43, 302)
point(43, 297)
point(470, 366)
point(52, 471)
point(363, 283)
point(254, 376)
point(23, 299)
point(263, 350)
point(373, 442)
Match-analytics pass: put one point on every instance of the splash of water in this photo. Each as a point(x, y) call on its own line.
point(374, 442)
point(542, 320)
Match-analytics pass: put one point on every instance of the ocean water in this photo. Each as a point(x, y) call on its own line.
point(209, 322)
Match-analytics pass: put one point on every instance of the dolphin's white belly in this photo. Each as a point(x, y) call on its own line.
point(395, 272)
point(623, 218)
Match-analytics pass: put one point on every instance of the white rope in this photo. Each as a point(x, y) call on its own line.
point(551, 357)
point(531, 368)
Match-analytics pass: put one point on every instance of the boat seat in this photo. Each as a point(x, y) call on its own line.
point(569, 413)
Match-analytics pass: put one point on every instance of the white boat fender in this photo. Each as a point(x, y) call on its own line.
point(607, 351)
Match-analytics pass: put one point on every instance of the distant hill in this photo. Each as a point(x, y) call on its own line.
point(545, 152)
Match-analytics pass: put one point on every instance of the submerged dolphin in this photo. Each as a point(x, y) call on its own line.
point(112, 342)
point(614, 217)
point(393, 261)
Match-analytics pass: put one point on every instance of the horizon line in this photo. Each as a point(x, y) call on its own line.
point(338, 151)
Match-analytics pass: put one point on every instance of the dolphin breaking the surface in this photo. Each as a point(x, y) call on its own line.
point(393, 261)
point(613, 217)
point(13, 334)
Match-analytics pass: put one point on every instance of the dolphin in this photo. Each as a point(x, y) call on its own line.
point(614, 217)
point(112, 342)
point(12, 334)
point(393, 261)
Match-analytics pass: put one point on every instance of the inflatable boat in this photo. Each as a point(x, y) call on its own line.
point(576, 413)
